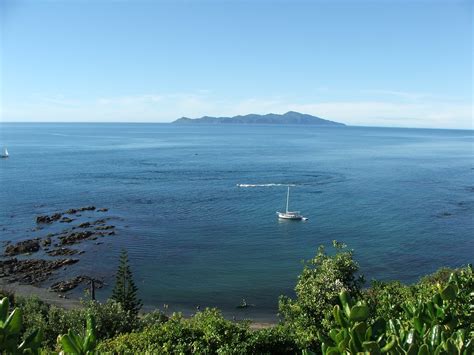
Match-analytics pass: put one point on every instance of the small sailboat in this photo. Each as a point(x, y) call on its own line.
point(5, 153)
point(293, 215)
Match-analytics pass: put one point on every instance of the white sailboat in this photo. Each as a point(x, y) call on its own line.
point(5, 153)
point(294, 215)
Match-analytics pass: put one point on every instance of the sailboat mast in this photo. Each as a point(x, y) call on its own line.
point(287, 198)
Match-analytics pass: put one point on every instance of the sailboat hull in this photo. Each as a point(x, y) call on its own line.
point(290, 215)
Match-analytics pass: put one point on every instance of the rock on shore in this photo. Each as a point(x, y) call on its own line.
point(23, 247)
point(31, 271)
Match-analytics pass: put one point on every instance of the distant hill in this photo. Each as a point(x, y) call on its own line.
point(290, 117)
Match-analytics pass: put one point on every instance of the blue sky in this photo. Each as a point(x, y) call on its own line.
point(383, 63)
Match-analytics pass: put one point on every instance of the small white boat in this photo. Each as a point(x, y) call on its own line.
point(293, 215)
point(5, 153)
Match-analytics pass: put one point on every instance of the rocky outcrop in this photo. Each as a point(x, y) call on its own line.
point(68, 285)
point(66, 220)
point(31, 271)
point(103, 228)
point(48, 219)
point(75, 210)
point(55, 244)
point(63, 252)
point(23, 247)
point(75, 237)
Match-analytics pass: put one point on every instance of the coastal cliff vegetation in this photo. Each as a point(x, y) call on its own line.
point(331, 313)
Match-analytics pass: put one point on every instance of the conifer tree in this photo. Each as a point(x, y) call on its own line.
point(125, 291)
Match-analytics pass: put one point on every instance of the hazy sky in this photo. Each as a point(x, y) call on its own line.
point(384, 63)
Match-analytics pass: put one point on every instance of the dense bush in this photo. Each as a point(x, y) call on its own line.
point(275, 340)
point(385, 299)
point(206, 332)
point(317, 291)
point(110, 319)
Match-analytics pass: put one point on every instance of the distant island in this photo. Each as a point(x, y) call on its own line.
point(290, 117)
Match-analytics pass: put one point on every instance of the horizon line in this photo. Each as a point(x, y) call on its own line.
point(233, 124)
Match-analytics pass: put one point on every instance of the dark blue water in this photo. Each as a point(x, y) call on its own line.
point(402, 198)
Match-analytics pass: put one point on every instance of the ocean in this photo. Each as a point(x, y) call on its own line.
point(403, 199)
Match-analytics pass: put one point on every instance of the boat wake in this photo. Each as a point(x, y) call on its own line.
point(263, 185)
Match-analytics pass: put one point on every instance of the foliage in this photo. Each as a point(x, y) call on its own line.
point(385, 299)
point(10, 332)
point(274, 340)
point(151, 318)
point(110, 319)
point(317, 290)
point(72, 343)
point(433, 326)
point(125, 291)
point(35, 312)
point(206, 332)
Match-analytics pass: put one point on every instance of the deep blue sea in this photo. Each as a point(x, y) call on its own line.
point(403, 199)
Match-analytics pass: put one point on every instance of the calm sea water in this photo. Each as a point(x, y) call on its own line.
point(402, 198)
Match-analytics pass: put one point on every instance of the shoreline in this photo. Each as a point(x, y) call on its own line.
point(68, 303)
point(43, 294)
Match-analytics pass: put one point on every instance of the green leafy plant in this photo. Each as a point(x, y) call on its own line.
point(427, 327)
point(10, 332)
point(72, 343)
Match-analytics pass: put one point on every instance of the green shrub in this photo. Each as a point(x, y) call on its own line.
point(110, 319)
point(151, 319)
point(273, 340)
point(317, 290)
point(385, 299)
point(35, 313)
point(206, 332)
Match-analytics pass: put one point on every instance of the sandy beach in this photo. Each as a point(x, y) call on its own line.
point(42, 293)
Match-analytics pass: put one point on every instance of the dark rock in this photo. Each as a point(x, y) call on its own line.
point(63, 252)
point(84, 225)
point(66, 220)
point(75, 237)
point(71, 211)
point(46, 242)
point(26, 246)
point(68, 285)
point(31, 271)
point(43, 219)
point(48, 219)
point(88, 208)
point(102, 228)
point(102, 210)
point(56, 216)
